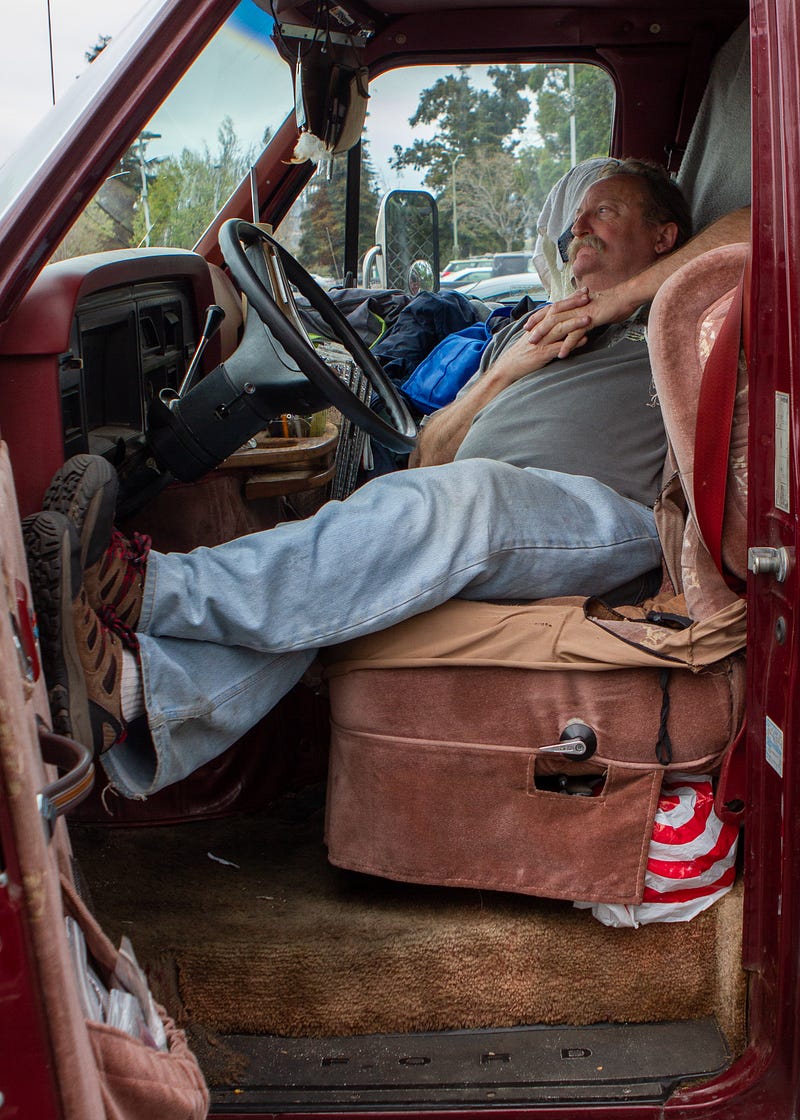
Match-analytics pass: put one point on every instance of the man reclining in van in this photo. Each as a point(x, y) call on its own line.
point(538, 481)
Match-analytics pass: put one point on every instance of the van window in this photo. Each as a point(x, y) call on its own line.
point(196, 148)
point(487, 141)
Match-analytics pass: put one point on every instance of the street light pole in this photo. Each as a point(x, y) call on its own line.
point(453, 162)
point(144, 138)
point(573, 144)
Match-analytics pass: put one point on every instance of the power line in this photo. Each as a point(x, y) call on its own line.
point(52, 66)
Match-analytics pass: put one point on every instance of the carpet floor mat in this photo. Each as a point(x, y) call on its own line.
point(245, 928)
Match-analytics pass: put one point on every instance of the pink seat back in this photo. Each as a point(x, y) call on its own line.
point(684, 321)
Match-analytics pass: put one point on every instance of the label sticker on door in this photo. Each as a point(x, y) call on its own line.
point(782, 452)
point(774, 750)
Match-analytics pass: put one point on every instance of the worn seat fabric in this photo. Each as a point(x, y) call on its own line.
point(436, 772)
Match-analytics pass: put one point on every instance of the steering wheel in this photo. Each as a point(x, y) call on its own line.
point(398, 432)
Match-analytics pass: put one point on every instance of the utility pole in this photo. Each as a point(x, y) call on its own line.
point(145, 138)
point(573, 145)
point(52, 61)
point(453, 162)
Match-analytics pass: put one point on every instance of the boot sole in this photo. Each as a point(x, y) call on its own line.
point(53, 550)
point(85, 490)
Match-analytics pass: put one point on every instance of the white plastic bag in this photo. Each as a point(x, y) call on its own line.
point(691, 862)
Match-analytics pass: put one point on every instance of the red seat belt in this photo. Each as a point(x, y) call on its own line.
point(713, 430)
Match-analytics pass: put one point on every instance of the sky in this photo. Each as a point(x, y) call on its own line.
point(25, 85)
point(25, 74)
point(77, 25)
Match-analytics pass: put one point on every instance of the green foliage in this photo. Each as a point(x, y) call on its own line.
point(472, 122)
point(188, 190)
point(500, 183)
point(321, 246)
point(98, 48)
point(591, 96)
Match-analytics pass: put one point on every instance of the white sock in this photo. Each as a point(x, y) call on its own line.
point(132, 692)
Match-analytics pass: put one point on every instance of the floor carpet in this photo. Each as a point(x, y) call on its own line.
point(245, 928)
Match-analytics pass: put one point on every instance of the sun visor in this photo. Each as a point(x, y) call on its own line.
point(331, 89)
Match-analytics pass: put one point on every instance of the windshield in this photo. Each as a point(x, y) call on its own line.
point(196, 148)
point(487, 141)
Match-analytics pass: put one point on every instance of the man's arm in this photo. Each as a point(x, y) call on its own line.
point(442, 435)
point(568, 320)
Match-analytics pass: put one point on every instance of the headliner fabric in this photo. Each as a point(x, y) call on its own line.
point(558, 214)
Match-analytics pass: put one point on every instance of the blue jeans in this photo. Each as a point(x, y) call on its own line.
point(226, 631)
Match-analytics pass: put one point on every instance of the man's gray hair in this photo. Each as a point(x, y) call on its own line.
point(664, 201)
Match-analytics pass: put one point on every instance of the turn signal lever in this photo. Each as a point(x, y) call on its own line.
point(213, 321)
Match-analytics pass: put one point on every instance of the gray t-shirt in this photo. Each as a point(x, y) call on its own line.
point(592, 413)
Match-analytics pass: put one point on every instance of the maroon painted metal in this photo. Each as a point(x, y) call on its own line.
point(28, 1088)
point(765, 1082)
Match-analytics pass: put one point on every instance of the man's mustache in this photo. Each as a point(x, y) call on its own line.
point(590, 240)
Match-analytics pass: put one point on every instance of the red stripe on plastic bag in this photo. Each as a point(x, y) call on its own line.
point(688, 868)
point(665, 833)
point(689, 894)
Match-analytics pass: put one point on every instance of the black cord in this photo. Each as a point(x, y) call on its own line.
point(311, 42)
point(663, 742)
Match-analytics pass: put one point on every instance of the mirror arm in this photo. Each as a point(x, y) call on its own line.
point(373, 256)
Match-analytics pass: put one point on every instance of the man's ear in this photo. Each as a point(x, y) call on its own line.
point(667, 236)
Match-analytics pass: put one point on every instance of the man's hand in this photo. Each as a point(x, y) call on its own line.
point(441, 437)
point(567, 322)
point(525, 355)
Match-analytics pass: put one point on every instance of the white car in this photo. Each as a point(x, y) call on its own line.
point(464, 276)
point(508, 289)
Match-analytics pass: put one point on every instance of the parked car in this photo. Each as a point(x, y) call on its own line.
point(508, 289)
point(464, 276)
point(505, 264)
point(467, 262)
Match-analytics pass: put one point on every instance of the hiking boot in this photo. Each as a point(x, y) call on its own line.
point(82, 657)
point(85, 490)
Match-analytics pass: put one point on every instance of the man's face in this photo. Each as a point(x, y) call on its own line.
point(612, 240)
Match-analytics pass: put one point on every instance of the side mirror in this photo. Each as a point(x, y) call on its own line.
point(406, 250)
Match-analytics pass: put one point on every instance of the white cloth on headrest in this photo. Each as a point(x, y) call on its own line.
point(558, 214)
point(715, 171)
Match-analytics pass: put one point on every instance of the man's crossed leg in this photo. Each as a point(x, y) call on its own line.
point(205, 643)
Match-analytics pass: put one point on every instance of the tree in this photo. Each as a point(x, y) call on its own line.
point(118, 196)
point(98, 48)
point(590, 97)
point(94, 232)
point(497, 202)
point(188, 190)
point(470, 122)
point(477, 150)
point(322, 222)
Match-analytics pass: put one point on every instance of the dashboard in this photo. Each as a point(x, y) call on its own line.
point(92, 343)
